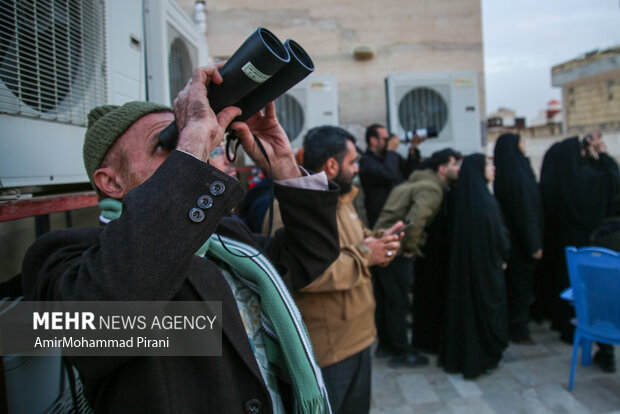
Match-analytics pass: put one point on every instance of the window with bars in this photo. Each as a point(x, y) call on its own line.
point(52, 58)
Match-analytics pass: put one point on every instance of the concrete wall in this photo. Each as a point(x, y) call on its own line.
point(536, 148)
point(592, 103)
point(590, 91)
point(541, 131)
point(412, 36)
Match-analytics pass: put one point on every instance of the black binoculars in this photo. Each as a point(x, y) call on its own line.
point(428, 133)
point(261, 70)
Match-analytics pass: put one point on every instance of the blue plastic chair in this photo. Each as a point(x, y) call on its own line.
point(595, 280)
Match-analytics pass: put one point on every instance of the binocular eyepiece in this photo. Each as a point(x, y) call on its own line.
point(261, 70)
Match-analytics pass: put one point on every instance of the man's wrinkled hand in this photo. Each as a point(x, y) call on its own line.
point(200, 129)
point(267, 129)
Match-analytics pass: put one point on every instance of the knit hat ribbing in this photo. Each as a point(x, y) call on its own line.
point(106, 124)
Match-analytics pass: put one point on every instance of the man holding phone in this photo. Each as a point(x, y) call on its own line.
point(338, 307)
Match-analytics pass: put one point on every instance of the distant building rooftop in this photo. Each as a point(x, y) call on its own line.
point(590, 64)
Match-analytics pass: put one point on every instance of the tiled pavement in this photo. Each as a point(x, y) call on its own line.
point(534, 379)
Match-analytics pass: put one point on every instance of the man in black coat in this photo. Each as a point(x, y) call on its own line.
point(381, 168)
point(379, 171)
point(172, 202)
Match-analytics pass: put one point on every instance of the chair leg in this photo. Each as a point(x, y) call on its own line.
point(573, 365)
point(586, 352)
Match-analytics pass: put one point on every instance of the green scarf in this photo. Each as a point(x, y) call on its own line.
point(286, 340)
point(110, 209)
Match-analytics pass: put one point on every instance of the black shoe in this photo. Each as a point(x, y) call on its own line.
point(409, 360)
point(383, 352)
point(605, 361)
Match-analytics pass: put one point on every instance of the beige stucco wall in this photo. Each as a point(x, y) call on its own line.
point(409, 36)
point(593, 103)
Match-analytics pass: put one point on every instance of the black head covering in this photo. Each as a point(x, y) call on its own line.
point(479, 236)
point(476, 321)
point(582, 190)
point(518, 195)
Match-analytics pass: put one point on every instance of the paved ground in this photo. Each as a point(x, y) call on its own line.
point(534, 379)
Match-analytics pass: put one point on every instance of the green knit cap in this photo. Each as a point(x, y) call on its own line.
point(106, 124)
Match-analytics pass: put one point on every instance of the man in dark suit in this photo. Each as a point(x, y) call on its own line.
point(172, 202)
point(382, 168)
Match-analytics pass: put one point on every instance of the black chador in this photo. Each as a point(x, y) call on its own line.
point(431, 279)
point(518, 195)
point(476, 323)
point(578, 193)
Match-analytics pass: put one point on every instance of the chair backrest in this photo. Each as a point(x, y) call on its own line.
point(595, 278)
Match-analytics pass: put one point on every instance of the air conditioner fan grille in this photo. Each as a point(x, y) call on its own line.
point(52, 58)
point(290, 114)
point(422, 108)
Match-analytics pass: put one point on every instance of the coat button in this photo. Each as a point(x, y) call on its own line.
point(196, 215)
point(217, 188)
point(252, 406)
point(205, 201)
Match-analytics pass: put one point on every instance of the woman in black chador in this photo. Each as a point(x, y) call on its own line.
point(518, 195)
point(476, 321)
point(580, 188)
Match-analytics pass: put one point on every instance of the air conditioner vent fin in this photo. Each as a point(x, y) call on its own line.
point(290, 114)
point(423, 108)
point(52, 59)
point(182, 58)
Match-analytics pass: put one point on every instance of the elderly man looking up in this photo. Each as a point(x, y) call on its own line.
point(161, 209)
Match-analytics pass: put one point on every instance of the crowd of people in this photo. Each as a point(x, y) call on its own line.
point(437, 244)
point(478, 262)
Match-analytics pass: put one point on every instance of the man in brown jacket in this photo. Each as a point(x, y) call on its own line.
point(416, 201)
point(338, 307)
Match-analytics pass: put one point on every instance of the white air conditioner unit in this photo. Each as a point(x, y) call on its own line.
point(311, 103)
point(61, 58)
point(172, 50)
point(446, 101)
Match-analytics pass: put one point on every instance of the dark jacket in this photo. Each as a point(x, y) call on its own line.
point(378, 175)
point(607, 234)
point(148, 254)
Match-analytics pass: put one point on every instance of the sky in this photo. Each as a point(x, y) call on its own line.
point(524, 39)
